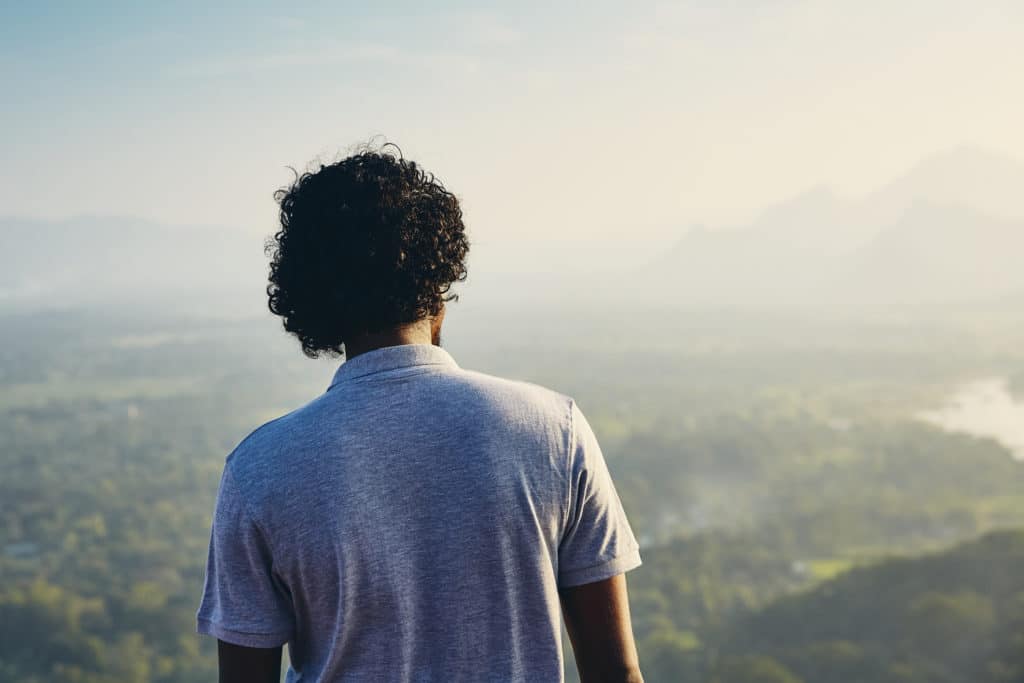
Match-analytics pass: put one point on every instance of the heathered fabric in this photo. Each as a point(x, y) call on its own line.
point(413, 523)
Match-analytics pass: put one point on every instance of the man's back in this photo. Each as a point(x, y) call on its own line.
point(413, 523)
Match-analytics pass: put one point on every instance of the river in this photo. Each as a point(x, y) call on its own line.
point(984, 407)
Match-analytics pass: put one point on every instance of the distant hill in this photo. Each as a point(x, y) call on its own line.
point(988, 182)
point(935, 253)
point(951, 617)
point(111, 261)
point(951, 230)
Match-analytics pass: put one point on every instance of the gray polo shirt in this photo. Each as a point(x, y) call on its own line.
point(413, 523)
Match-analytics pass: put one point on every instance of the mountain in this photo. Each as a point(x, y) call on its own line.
point(791, 248)
point(936, 253)
point(951, 230)
point(965, 176)
point(122, 261)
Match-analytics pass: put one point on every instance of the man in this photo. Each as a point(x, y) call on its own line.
point(418, 521)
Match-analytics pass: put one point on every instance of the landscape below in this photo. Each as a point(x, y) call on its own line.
point(799, 520)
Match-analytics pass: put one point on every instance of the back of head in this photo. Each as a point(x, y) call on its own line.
point(366, 244)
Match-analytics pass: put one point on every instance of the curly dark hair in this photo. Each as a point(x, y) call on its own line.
point(366, 244)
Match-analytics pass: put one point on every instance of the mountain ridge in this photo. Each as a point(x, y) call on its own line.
point(815, 250)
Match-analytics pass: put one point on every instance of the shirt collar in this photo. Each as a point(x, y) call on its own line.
point(392, 358)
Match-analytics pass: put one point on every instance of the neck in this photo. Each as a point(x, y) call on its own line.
point(420, 332)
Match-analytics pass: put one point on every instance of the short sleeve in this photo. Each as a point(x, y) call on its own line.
point(597, 542)
point(244, 602)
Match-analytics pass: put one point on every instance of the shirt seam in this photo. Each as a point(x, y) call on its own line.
point(567, 512)
point(244, 504)
point(221, 625)
point(625, 554)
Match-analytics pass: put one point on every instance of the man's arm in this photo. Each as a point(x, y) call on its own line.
point(248, 664)
point(597, 619)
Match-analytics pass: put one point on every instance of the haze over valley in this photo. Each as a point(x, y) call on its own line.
point(948, 232)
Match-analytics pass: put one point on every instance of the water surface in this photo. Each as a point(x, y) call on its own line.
point(984, 407)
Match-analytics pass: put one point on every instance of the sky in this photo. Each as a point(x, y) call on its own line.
point(615, 125)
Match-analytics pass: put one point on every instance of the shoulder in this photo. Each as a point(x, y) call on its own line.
point(516, 395)
point(259, 456)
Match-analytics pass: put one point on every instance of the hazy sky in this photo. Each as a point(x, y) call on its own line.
point(589, 120)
